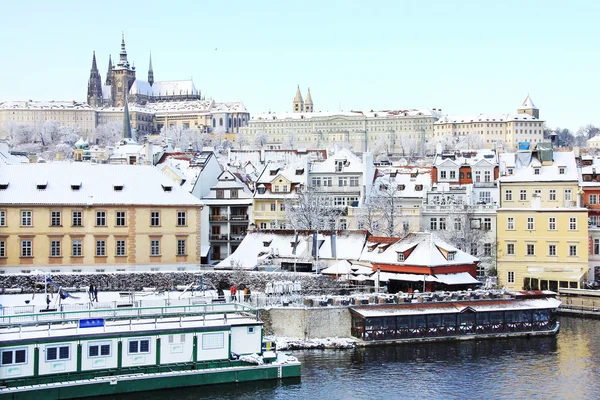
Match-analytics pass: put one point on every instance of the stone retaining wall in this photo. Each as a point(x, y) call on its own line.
point(307, 323)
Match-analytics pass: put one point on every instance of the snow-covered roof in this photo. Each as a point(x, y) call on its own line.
point(467, 119)
point(472, 157)
point(279, 244)
point(7, 158)
point(352, 163)
point(258, 157)
point(164, 88)
point(524, 165)
point(141, 185)
point(406, 184)
point(229, 106)
point(528, 104)
point(348, 114)
point(44, 105)
point(421, 249)
point(227, 180)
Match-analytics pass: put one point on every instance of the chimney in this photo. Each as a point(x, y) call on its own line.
point(149, 151)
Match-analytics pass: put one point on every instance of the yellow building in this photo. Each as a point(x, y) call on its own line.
point(542, 231)
point(83, 217)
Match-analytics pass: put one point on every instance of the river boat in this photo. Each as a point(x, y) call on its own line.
point(526, 314)
point(64, 355)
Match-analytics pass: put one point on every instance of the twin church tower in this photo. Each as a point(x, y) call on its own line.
point(303, 105)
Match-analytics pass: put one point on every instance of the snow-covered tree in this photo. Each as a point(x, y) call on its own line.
point(109, 134)
point(312, 209)
point(381, 213)
point(289, 141)
point(241, 140)
point(260, 139)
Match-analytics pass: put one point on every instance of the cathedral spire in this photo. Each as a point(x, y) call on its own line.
point(109, 72)
point(308, 103)
point(150, 72)
point(126, 119)
point(123, 53)
point(298, 102)
point(94, 95)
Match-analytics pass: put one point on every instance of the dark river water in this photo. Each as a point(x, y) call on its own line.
point(563, 367)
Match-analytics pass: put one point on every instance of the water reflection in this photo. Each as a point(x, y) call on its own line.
point(565, 366)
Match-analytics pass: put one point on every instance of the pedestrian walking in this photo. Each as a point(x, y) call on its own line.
point(246, 294)
point(91, 292)
point(233, 293)
point(47, 302)
point(96, 293)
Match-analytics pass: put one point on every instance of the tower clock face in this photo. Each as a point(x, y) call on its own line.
point(119, 84)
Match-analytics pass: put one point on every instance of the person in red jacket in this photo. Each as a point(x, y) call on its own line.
point(233, 292)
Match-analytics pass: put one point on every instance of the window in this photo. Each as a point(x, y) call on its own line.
point(572, 224)
point(510, 249)
point(567, 194)
point(100, 218)
point(181, 250)
point(536, 171)
point(2, 248)
point(552, 224)
point(120, 247)
point(487, 249)
point(342, 181)
point(596, 246)
point(474, 249)
point(530, 249)
point(76, 218)
point(457, 224)
point(27, 218)
point(281, 206)
point(561, 171)
point(442, 224)
point(55, 248)
point(510, 223)
point(155, 218)
point(139, 346)
point(233, 194)
point(552, 250)
point(487, 224)
point(58, 352)
point(212, 341)
point(273, 207)
point(488, 176)
point(511, 277)
point(99, 349)
point(400, 257)
point(593, 199)
point(523, 195)
point(220, 194)
point(316, 182)
point(509, 171)
point(285, 190)
point(452, 174)
point(100, 248)
point(26, 248)
point(328, 181)
point(120, 218)
point(450, 256)
point(55, 218)
point(181, 218)
point(442, 174)
point(13, 356)
point(530, 224)
point(485, 197)
point(572, 250)
point(354, 181)
point(276, 187)
point(263, 225)
point(155, 247)
point(552, 194)
point(76, 248)
point(433, 224)
point(508, 195)
point(2, 218)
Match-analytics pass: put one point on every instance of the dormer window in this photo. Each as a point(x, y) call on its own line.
point(118, 188)
point(418, 188)
point(261, 190)
point(220, 194)
point(300, 171)
point(234, 194)
point(561, 170)
point(401, 257)
point(267, 244)
point(451, 256)
point(339, 165)
point(3, 185)
point(401, 187)
point(42, 185)
point(167, 188)
point(536, 171)
point(510, 171)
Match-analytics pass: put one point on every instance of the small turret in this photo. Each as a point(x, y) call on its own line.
point(308, 104)
point(298, 102)
point(529, 108)
point(94, 95)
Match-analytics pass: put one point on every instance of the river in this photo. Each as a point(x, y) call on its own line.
point(563, 367)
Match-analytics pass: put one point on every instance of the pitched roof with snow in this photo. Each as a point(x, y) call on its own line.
point(528, 104)
point(467, 119)
point(420, 248)
point(466, 157)
point(44, 105)
point(141, 185)
point(164, 88)
point(347, 114)
point(524, 165)
point(352, 163)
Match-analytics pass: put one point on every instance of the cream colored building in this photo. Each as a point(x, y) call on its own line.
point(67, 217)
point(542, 230)
point(489, 129)
point(36, 113)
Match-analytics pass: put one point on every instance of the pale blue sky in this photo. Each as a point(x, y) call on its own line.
point(465, 57)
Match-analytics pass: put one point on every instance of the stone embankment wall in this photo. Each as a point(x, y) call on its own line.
point(126, 281)
point(307, 323)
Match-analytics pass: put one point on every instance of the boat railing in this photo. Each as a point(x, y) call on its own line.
point(226, 310)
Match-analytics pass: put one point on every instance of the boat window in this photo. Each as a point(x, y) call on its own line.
point(434, 320)
point(419, 321)
point(13, 356)
point(211, 341)
point(373, 323)
point(57, 353)
point(449, 319)
point(137, 346)
point(541, 315)
point(466, 319)
point(496, 317)
point(403, 322)
point(389, 323)
point(99, 349)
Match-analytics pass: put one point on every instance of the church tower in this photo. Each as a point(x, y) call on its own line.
point(529, 108)
point(123, 76)
point(150, 72)
point(308, 104)
point(109, 72)
point(94, 96)
point(298, 102)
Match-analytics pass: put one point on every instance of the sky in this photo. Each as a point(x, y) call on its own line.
point(465, 57)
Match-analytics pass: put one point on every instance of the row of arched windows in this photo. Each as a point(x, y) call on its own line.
point(236, 122)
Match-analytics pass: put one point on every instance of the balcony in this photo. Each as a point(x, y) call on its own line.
point(219, 238)
point(238, 217)
point(485, 184)
point(237, 237)
point(218, 218)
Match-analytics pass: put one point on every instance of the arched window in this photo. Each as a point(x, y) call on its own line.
point(239, 122)
point(220, 121)
point(235, 123)
point(214, 123)
point(229, 122)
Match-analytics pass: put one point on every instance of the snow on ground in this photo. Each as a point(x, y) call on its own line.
point(286, 343)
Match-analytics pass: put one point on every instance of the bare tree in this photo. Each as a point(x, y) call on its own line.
point(382, 213)
point(260, 139)
point(110, 133)
point(241, 140)
point(312, 209)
